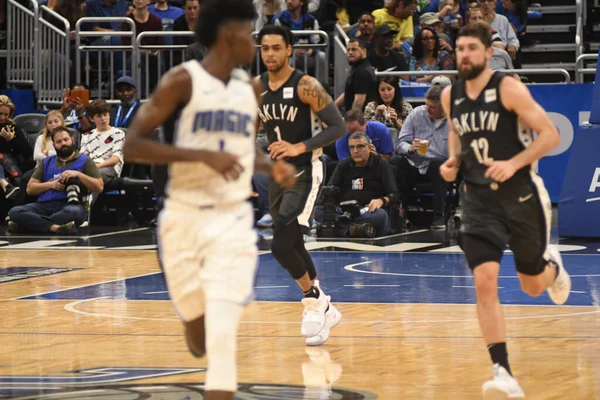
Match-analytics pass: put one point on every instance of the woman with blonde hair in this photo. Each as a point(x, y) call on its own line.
point(14, 150)
point(43, 144)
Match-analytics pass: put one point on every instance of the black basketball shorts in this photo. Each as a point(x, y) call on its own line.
point(298, 202)
point(518, 215)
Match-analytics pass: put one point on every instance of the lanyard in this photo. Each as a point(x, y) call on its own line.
point(121, 124)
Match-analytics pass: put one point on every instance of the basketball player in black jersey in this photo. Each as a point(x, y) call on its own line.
point(503, 199)
point(293, 106)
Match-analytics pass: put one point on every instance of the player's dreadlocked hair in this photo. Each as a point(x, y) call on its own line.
point(213, 13)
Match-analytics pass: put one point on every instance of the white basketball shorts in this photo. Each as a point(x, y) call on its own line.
point(207, 254)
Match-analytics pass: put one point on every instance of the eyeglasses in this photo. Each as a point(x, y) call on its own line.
point(428, 38)
point(358, 147)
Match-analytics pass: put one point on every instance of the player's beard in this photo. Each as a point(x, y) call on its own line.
point(277, 67)
point(472, 73)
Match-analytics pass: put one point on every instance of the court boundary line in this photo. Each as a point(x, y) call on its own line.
point(71, 307)
point(79, 287)
point(298, 336)
point(336, 302)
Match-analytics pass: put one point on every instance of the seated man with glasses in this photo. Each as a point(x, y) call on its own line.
point(363, 185)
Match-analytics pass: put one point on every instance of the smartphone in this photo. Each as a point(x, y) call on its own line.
point(82, 95)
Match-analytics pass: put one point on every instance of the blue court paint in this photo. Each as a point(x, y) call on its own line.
point(408, 278)
point(12, 274)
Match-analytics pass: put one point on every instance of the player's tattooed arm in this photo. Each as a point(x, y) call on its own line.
point(312, 93)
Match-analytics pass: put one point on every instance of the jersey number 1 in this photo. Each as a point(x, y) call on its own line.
point(481, 148)
point(221, 145)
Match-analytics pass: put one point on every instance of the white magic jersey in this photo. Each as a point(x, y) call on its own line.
point(218, 117)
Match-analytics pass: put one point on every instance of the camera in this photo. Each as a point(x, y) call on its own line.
point(327, 227)
point(73, 191)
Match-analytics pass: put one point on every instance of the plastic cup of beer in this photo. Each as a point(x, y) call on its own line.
point(423, 149)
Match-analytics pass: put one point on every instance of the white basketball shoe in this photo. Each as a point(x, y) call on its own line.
point(503, 386)
point(560, 289)
point(332, 317)
point(313, 319)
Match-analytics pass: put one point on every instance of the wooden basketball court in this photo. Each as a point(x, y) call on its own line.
point(89, 318)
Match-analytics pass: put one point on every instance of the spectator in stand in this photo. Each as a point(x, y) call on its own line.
point(266, 10)
point(365, 30)
point(71, 10)
point(297, 18)
point(388, 107)
point(369, 180)
point(144, 21)
point(74, 111)
point(500, 58)
point(476, 15)
point(122, 115)
point(15, 153)
point(501, 25)
point(105, 8)
point(430, 20)
point(185, 23)
point(449, 14)
point(398, 15)
point(383, 57)
point(434, 7)
point(380, 139)
point(361, 83)
point(43, 144)
point(104, 145)
point(167, 14)
point(516, 13)
point(427, 55)
point(425, 123)
point(58, 181)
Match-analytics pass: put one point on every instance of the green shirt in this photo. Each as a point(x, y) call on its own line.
point(89, 168)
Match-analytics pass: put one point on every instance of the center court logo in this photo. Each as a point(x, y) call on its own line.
point(188, 391)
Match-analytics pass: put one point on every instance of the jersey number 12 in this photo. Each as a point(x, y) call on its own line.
point(481, 148)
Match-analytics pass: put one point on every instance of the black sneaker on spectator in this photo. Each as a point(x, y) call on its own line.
point(439, 223)
point(366, 230)
point(11, 191)
point(13, 227)
point(69, 227)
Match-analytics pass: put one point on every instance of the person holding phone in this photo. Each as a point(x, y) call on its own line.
point(15, 152)
point(74, 108)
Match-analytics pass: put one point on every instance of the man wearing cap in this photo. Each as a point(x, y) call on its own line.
point(122, 115)
point(429, 19)
point(422, 148)
point(383, 57)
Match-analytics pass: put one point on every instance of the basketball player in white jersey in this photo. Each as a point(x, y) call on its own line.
point(207, 245)
point(293, 106)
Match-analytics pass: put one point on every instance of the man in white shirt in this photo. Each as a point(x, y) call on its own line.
point(104, 145)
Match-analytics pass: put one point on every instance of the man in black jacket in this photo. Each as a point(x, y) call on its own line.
point(368, 179)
